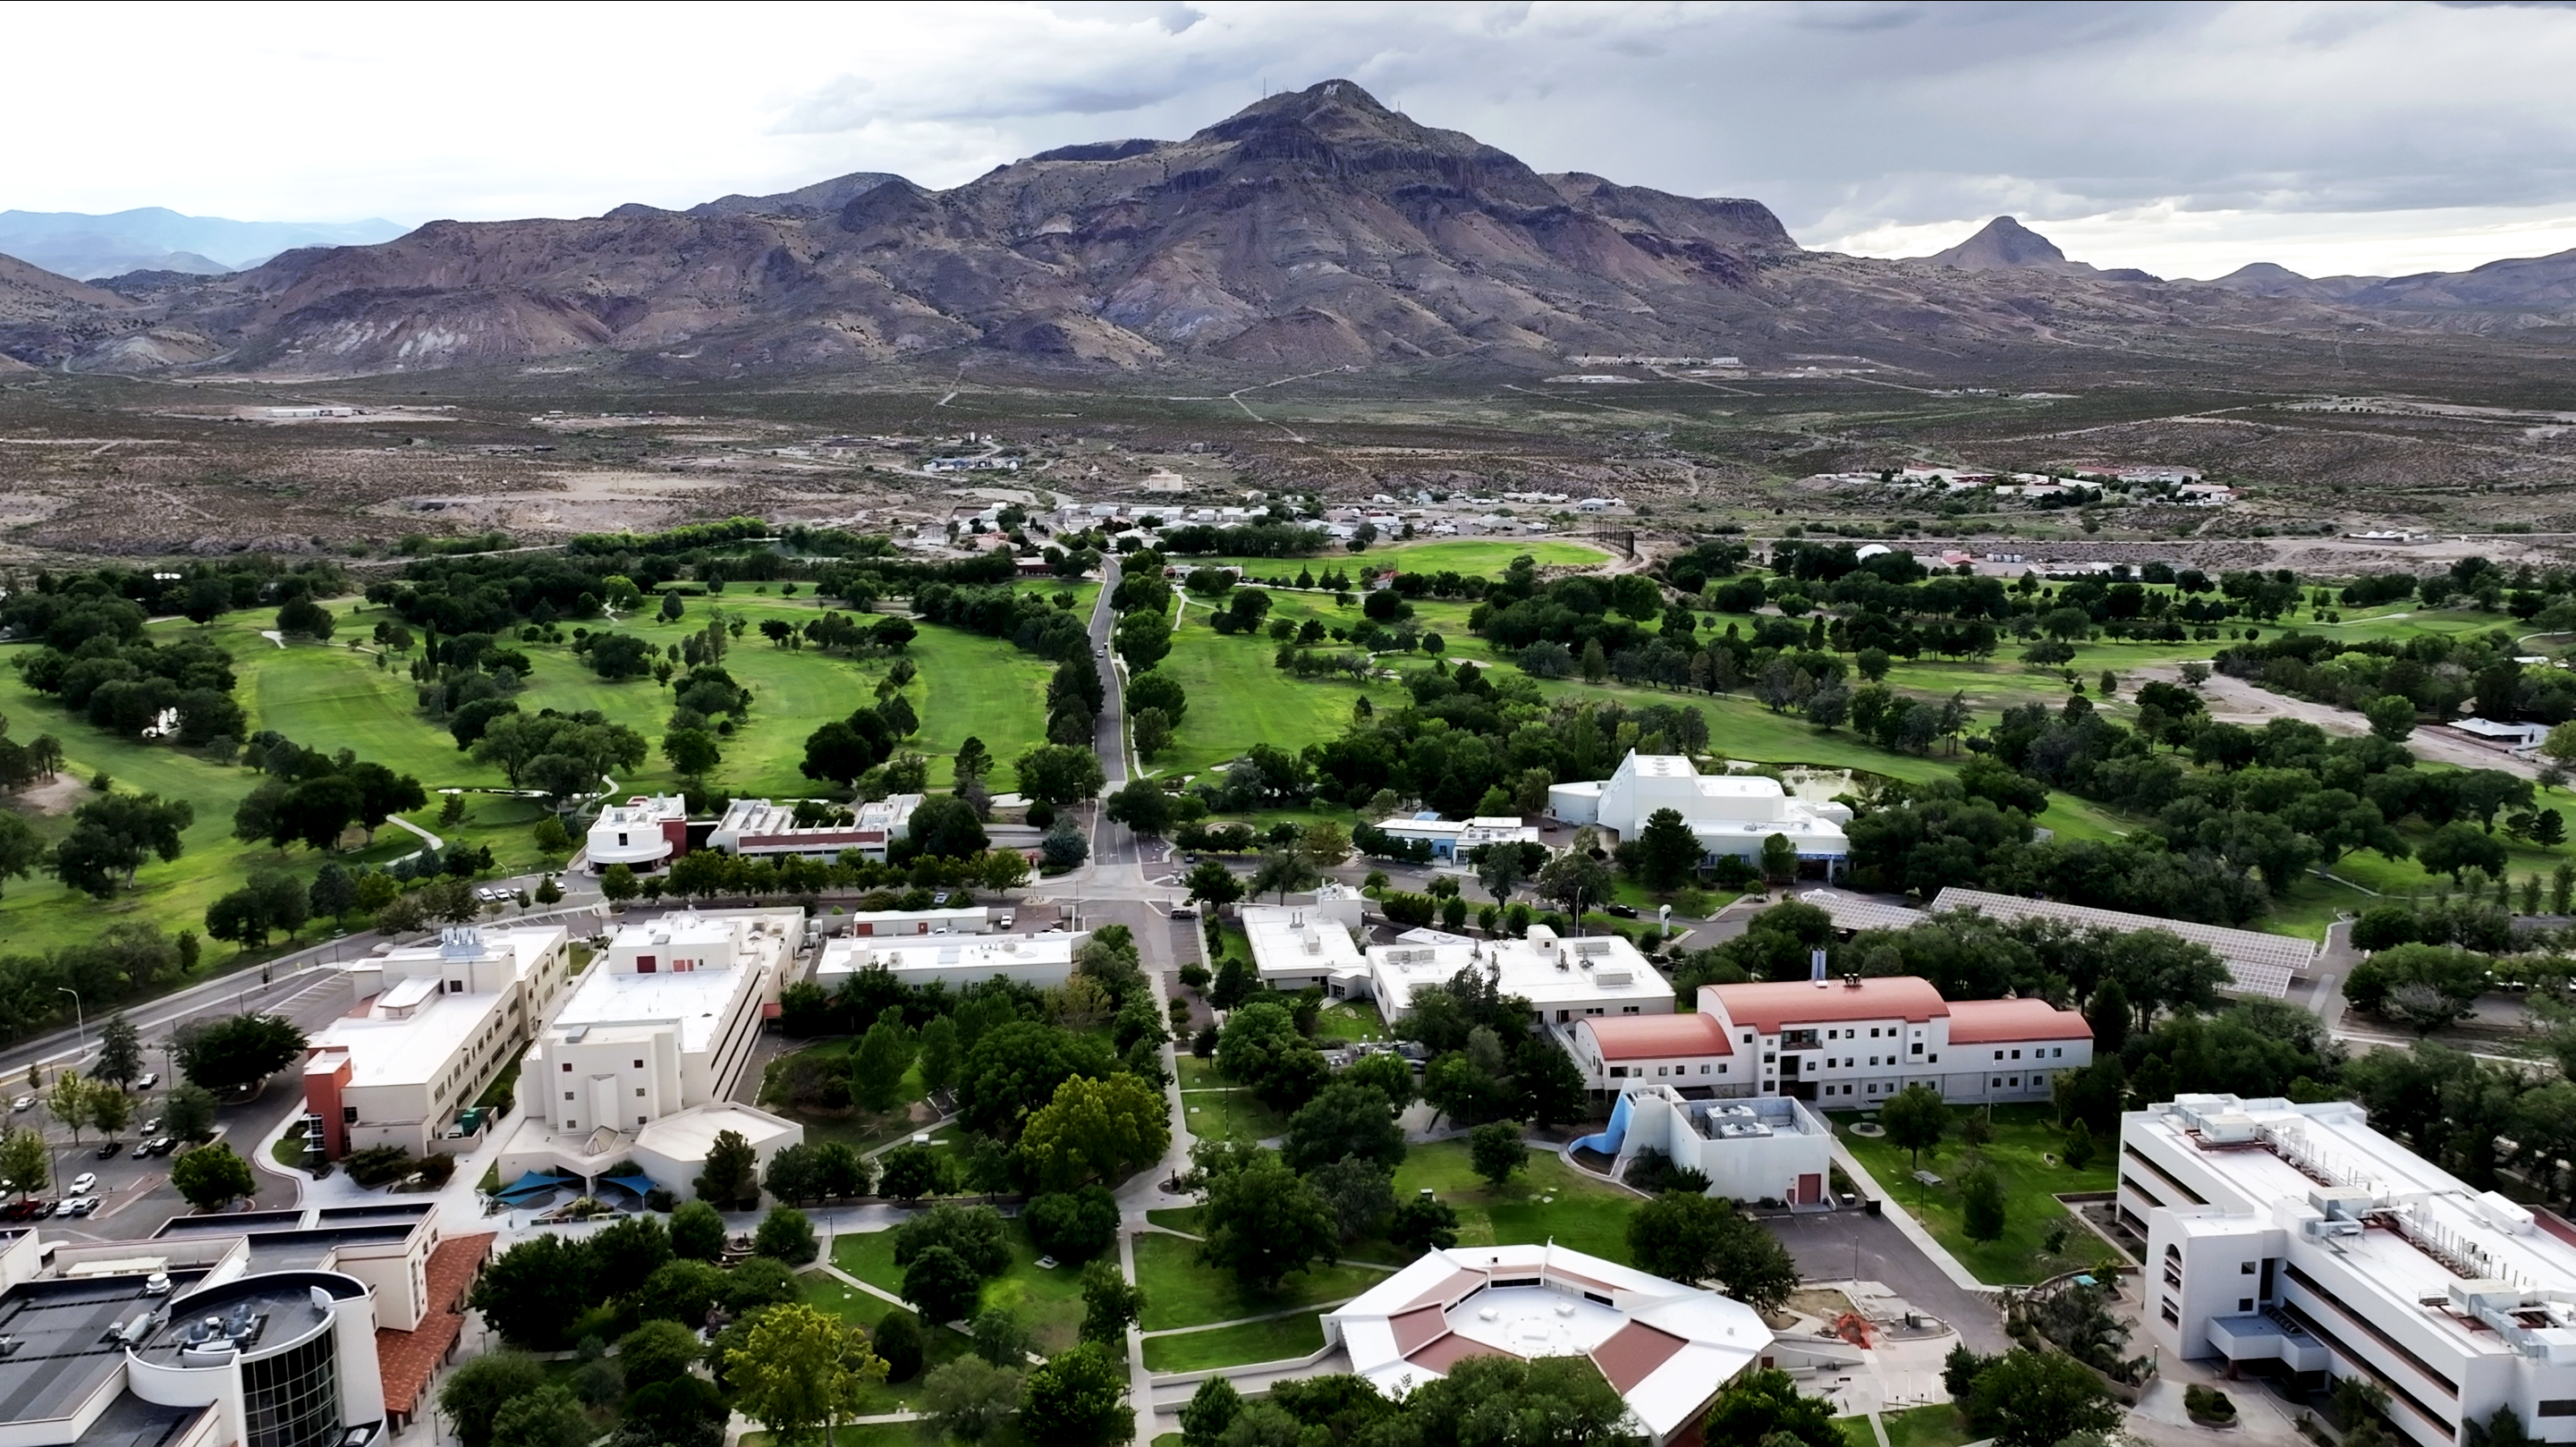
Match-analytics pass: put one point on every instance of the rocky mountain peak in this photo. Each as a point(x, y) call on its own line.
point(2003, 243)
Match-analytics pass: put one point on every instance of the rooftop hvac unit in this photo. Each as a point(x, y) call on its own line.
point(1614, 979)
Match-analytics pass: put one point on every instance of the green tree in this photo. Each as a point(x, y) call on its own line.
point(2423, 987)
point(1099, 1130)
point(24, 1162)
point(522, 1293)
point(2079, 1146)
point(2392, 717)
point(68, 1102)
point(940, 1284)
point(693, 753)
point(1078, 1399)
point(2036, 1399)
point(800, 1370)
point(731, 1178)
point(1981, 1203)
point(1685, 1236)
point(120, 1052)
point(1264, 1221)
point(1109, 1304)
point(1915, 1119)
point(885, 1053)
point(2456, 848)
point(617, 884)
point(209, 1176)
point(1766, 1407)
point(22, 849)
point(1060, 774)
point(1211, 883)
point(785, 1235)
point(1001, 1337)
point(1423, 1223)
point(111, 1110)
point(969, 1397)
point(1345, 1119)
point(1142, 806)
point(1574, 881)
point(1559, 1401)
point(1209, 1412)
point(1667, 853)
point(1496, 1151)
point(479, 1387)
point(897, 1339)
point(550, 1416)
point(937, 1054)
point(237, 1052)
point(188, 1114)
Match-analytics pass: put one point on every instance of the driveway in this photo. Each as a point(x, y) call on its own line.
point(1842, 1245)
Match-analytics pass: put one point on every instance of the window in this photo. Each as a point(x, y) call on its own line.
point(348, 1115)
point(1918, 1047)
point(572, 1125)
point(2244, 1268)
point(1748, 1037)
point(643, 1120)
point(1721, 1069)
point(1873, 1089)
point(639, 1092)
point(1766, 1057)
point(1873, 1032)
point(2016, 1055)
point(2558, 1407)
point(567, 1067)
point(2057, 1052)
point(1703, 1070)
point(621, 841)
point(639, 1064)
point(567, 1095)
point(1936, 1059)
point(1618, 1072)
point(1663, 1070)
point(1873, 1059)
point(2244, 1303)
point(1630, 1010)
point(1999, 1080)
point(2016, 1082)
point(1999, 1055)
point(2169, 1313)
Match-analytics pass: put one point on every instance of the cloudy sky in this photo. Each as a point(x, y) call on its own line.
point(2187, 139)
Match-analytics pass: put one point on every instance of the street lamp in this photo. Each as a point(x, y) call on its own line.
point(79, 1022)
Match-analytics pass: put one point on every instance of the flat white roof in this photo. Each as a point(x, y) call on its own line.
point(695, 1001)
point(998, 954)
point(2416, 1208)
point(1543, 969)
point(1297, 939)
point(414, 1050)
point(688, 1135)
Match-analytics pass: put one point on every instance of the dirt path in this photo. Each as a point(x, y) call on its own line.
point(2233, 700)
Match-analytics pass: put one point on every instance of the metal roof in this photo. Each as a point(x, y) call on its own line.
point(2262, 964)
point(1854, 912)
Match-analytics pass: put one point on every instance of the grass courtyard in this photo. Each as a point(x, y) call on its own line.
point(1049, 1300)
point(2025, 1158)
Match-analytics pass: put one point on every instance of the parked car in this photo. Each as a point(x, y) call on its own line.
point(1002, 920)
point(108, 1151)
point(157, 1146)
point(147, 1080)
point(24, 1102)
point(79, 1206)
point(150, 1127)
point(82, 1182)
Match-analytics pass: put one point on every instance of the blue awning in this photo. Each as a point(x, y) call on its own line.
point(529, 1186)
point(635, 1181)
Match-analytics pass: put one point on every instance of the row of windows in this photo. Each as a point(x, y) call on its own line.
point(1624, 1072)
point(2164, 1175)
point(2054, 1052)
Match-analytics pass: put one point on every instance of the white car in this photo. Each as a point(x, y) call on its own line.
point(80, 1206)
point(24, 1102)
point(82, 1182)
point(147, 1080)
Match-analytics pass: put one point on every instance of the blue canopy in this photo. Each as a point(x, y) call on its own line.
point(635, 1181)
point(529, 1186)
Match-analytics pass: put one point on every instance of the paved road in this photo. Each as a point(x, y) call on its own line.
point(1849, 1245)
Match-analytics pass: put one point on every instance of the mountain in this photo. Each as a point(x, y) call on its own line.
point(2004, 244)
point(76, 244)
point(2515, 288)
point(822, 196)
point(1316, 228)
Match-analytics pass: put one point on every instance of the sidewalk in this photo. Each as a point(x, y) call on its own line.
point(1905, 1223)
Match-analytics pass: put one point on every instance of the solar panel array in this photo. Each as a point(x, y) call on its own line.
point(2262, 964)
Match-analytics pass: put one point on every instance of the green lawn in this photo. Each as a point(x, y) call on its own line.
point(1546, 1202)
point(1349, 1022)
point(1938, 1425)
point(861, 1130)
point(1238, 697)
point(856, 1308)
point(1279, 1339)
point(1490, 557)
point(1180, 1290)
point(1050, 1301)
point(1231, 1113)
point(2023, 1134)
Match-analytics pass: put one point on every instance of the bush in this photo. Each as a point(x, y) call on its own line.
point(436, 1168)
point(377, 1165)
point(785, 1235)
point(2208, 1404)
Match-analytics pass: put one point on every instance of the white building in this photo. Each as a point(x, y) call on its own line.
point(1297, 945)
point(1730, 813)
point(1844, 1043)
point(434, 1023)
point(2296, 1238)
point(644, 833)
point(1042, 960)
point(967, 920)
point(759, 829)
point(2515, 736)
point(1666, 1348)
point(1764, 1149)
point(1451, 839)
point(1564, 980)
point(661, 1029)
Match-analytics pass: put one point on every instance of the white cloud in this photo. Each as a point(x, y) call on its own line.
point(2368, 136)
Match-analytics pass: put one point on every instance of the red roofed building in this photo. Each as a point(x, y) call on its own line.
point(1840, 1043)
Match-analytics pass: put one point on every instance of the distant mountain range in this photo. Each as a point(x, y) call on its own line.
point(1316, 228)
point(150, 238)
